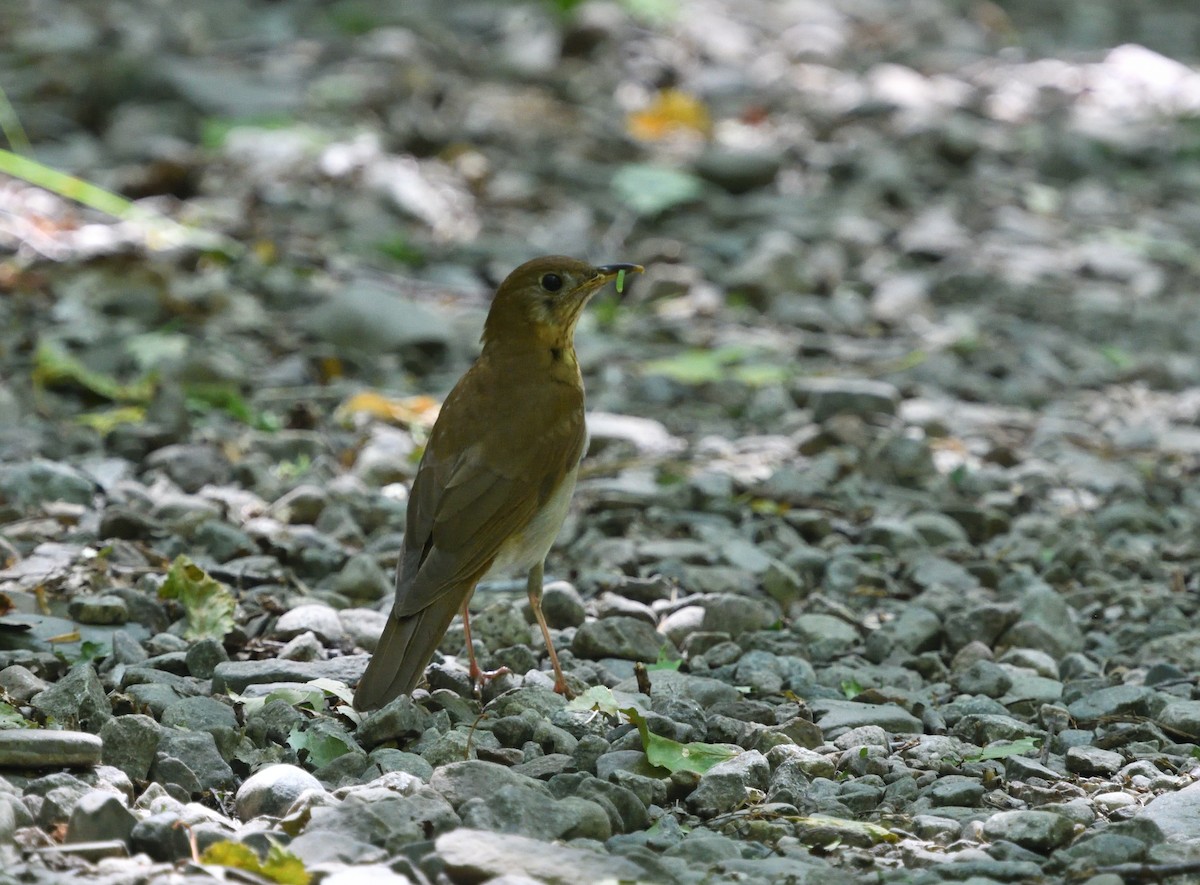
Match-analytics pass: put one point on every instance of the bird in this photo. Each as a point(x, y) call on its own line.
point(496, 478)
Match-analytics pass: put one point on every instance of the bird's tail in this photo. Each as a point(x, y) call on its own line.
point(406, 646)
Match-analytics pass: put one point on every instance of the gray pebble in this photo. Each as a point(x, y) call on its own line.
point(1040, 831)
point(272, 790)
point(99, 816)
point(620, 637)
point(45, 748)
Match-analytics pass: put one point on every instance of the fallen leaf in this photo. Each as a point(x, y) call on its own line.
point(419, 411)
point(207, 602)
point(672, 111)
point(663, 752)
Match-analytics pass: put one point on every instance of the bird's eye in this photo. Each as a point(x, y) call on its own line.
point(551, 282)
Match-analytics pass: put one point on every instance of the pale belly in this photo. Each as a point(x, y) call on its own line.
point(526, 549)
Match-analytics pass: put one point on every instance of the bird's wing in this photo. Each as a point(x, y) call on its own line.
point(466, 505)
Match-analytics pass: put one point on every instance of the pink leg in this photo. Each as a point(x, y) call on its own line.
point(478, 675)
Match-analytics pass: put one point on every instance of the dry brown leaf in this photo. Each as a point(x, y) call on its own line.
point(418, 411)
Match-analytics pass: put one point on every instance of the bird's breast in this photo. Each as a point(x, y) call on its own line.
point(526, 548)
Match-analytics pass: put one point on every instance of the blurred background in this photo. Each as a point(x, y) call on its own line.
point(918, 177)
point(911, 381)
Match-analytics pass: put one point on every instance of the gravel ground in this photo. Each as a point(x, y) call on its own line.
point(883, 565)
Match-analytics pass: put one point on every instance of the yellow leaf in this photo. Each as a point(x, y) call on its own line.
point(671, 112)
point(105, 421)
point(280, 866)
point(420, 411)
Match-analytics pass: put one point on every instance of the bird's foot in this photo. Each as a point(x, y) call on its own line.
point(481, 677)
point(561, 687)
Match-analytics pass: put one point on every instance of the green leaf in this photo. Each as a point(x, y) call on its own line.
point(665, 753)
point(207, 602)
point(11, 718)
point(54, 367)
point(1121, 359)
point(401, 251)
point(280, 865)
point(333, 687)
point(653, 11)
point(598, 697)
point(1001, 750)
point(222, 397)
point(161, 232)
point(705, 365)
point(323, 740)
point(664, 662)
point(104, 421)
point(651, 190)
point(851, 689)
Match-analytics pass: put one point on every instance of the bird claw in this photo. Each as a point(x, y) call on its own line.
point(481, 677)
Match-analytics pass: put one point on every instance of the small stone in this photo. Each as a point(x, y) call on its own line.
point(782, 583)
point(1093, 761)
point(835, 716)
point(387, 759)
point(1169, 817)
point(1040, 831)
point(735, 614)
point(478, 855)
point(957, 790)
point(303, 504)
point(27, 484)
point(825, 636)
point(562, 605)
point(191, 466)
point(400, 719)
point(130, 743)
point(305, 647)
point(313, 618)
point(77, 699)
point(1115, 701)
point(199, 714)
point(236, 676)
point(203, 656)
point(532, 812)
point(983, 728)
point(682, 623)
point(981, 677)
point(270, 791)
point(473, 778)
point(46, 748)
point(739, 171)
point(621, 637)
point(846, 396)
point(99, 816)
point(20, 683)
point(184, 753)
point(362, 579)
point(98, 610)
point(1182, 717)
point(725, 786)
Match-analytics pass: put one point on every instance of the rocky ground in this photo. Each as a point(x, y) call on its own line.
point(884, 564)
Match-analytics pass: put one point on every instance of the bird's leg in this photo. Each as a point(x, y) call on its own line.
point(477, 673)
point(535, 602)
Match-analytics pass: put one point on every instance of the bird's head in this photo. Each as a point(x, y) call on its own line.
point(542, 299)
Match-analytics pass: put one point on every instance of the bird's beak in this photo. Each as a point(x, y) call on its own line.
point(609, 271)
